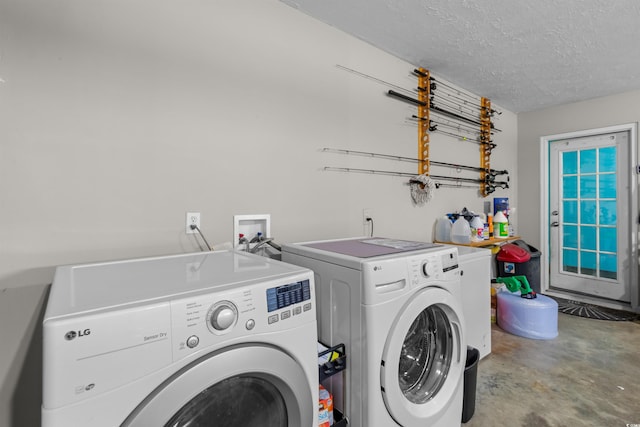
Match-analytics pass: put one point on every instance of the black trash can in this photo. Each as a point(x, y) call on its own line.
point(470, 380)
point(518, 258)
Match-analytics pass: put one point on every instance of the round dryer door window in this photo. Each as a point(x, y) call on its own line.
point(425, 357)
point(237, 401)
point(244, 385)
point(422, 364)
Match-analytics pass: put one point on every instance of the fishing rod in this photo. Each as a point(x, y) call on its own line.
point(482, 139)
point(474, 98)
point(462, 137)
point(493, 172)
point(375, 79)
point(462, 127)
point(471, 110)
point(494, 184)
point(411, 100)
point(434, 89)
point(460, 92)
point(436, 123)
point(444, 94)
point(435, 108)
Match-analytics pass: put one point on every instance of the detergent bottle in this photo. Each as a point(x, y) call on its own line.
point(477, 229)
point(500, 226)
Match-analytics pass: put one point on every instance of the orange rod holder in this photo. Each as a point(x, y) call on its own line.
point(424, 95)
point(485, 149)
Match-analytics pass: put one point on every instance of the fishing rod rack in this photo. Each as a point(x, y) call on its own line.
point(462, 115)
point(448, 110)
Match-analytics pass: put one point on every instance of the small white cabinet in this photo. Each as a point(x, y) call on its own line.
point(475, 270)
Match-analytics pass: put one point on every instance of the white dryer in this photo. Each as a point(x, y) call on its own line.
point(216, 338)
point(396, 305)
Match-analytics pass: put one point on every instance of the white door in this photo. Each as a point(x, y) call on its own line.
point(589, 215)
point(423, 359)
point(245, 385)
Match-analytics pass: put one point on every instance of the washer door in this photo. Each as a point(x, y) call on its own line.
point(248, 385)
point(423, 362)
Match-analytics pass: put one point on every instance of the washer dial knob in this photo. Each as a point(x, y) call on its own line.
point(223, 315)
point(428, 269)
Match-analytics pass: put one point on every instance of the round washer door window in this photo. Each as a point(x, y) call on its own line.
point(237, 401)
point(422, 364)
point(425, 357)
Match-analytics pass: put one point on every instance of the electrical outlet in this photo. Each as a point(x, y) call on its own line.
point(366, 213)
point(367, 229)
point(193, 218)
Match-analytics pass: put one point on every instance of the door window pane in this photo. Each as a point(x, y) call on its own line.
point(570, 210)
point(608, 239)
point(588, 263)
point(569, 162)
point(607, 161)
point(588, 161)
point(588, 212)
point(608, 212)
point(588, 186)
point(570, 187)
point(570, 260)
point(570, 239)
point(607, 186)
point(588, 238)
point(608, 266)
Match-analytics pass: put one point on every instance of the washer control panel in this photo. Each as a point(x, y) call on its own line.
point(436, 266)
point(392, 274)
point(206, 320)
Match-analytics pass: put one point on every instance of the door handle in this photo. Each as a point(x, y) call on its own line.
point(554, 213)
point(555, 224)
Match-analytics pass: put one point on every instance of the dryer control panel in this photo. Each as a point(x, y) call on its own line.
point(210, 320)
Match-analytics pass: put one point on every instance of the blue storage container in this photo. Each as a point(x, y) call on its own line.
point(530, 318)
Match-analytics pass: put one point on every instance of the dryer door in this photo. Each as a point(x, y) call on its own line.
point(247, 385)
point(423, 361)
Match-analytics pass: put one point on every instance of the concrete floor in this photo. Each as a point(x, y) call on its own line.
point(588, 376)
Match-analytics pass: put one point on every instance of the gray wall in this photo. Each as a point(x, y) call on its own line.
point(118, 117)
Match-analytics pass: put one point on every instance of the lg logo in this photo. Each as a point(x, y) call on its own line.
point(73, 334)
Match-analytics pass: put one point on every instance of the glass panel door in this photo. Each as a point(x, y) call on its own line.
point(588, 201)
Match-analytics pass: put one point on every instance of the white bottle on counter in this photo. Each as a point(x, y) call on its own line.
point(443, 229)
point(461, 231)
point(500, 226)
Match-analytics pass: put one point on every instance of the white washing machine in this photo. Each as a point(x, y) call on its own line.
point(216, 338)
point(396, 305)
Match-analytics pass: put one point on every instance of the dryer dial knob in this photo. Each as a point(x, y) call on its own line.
point(223, 316)
point(428, 269)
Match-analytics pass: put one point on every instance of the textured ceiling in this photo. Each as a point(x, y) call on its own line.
point(523, 55)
